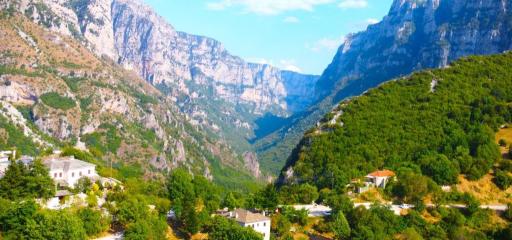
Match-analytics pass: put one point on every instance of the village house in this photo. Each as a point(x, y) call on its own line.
point(259, 222)
point(66, 171)
point(5, 160)
point(377, 179)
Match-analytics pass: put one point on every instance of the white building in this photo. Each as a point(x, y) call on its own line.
point(5, 162)
point(379, 179)
point(314, 210)
point(66, 171)
point(256, 221)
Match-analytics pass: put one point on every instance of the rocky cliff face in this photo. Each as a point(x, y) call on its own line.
point(148, 44)
point(414, 35)
point(56, 92)
point(217, 90)
point(132, 34)
point(417, 35)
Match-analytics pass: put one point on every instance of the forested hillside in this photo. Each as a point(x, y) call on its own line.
point(415, 35)
point(441, 122)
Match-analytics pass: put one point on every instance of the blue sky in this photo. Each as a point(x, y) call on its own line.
point(301, 35)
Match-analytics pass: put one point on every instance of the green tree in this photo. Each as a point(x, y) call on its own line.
point(94, 222)
point(181, 189)
point(502, 180)
point(58, 225)
point(340, 227)
point(280, 225)
point(150, 228)
point(131, 210)
point(267, 198)
point(411, 234)
point(22, 181)
point(230, 201)
point(442, 170)
point(411, 187)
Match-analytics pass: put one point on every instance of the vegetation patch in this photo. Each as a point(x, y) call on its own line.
point(403, 124)
point(55, 100)
point(108, 140)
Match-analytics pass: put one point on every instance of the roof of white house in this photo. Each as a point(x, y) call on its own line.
point(244, 216)
point(383, 173)
point(67, 163)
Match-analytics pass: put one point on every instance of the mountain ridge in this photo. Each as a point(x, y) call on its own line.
point(414, 35)
point(217, 91)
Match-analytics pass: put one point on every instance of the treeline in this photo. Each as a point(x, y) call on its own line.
point(441, 122)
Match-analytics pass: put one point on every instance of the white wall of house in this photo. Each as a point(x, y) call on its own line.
point(262, 227)
point(72, 176)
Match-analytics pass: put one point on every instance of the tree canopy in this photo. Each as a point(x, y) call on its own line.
point(444, 129)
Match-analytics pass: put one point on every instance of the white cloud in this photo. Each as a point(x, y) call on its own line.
point(371, 21)
point(346, 4)
point(268, 7)
point(289, 65)
point(291, 20)
point(259, 60)
point(284, 64)
point(329, 44)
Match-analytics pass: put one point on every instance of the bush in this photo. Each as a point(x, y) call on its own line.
point(94, 222)
point(54, 100)
point(152, 228)
point(502, 180)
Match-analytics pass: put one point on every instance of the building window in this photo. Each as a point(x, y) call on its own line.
point(60, 174)
point(55, 175)
point(89, 172)
point(80, 174)
point(264, 224)
point(72, 174)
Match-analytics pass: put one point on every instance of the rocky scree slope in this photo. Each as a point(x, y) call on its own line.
point(414, 35)
point(67, 95)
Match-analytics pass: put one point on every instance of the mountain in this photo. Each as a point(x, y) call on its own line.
point(441, 123)
point(54, 92)
point(414, 35)
point(217, 91)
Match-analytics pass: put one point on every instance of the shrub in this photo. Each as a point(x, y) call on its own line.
point(94, 222)
point(502, 180)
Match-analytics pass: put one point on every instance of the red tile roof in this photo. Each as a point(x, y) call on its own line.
point(383, 173)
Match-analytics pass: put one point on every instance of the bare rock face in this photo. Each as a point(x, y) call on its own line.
point(132, 34)
point(149, 45)
point(215, 89)
point(252, 164)
point(17, 93)
point(416, 35)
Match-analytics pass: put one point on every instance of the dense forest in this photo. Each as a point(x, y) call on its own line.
point(439, 122)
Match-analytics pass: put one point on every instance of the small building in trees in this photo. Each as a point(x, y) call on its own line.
point(259, 222)
point(5, 160)
point(377, 179)
point(66, 171)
